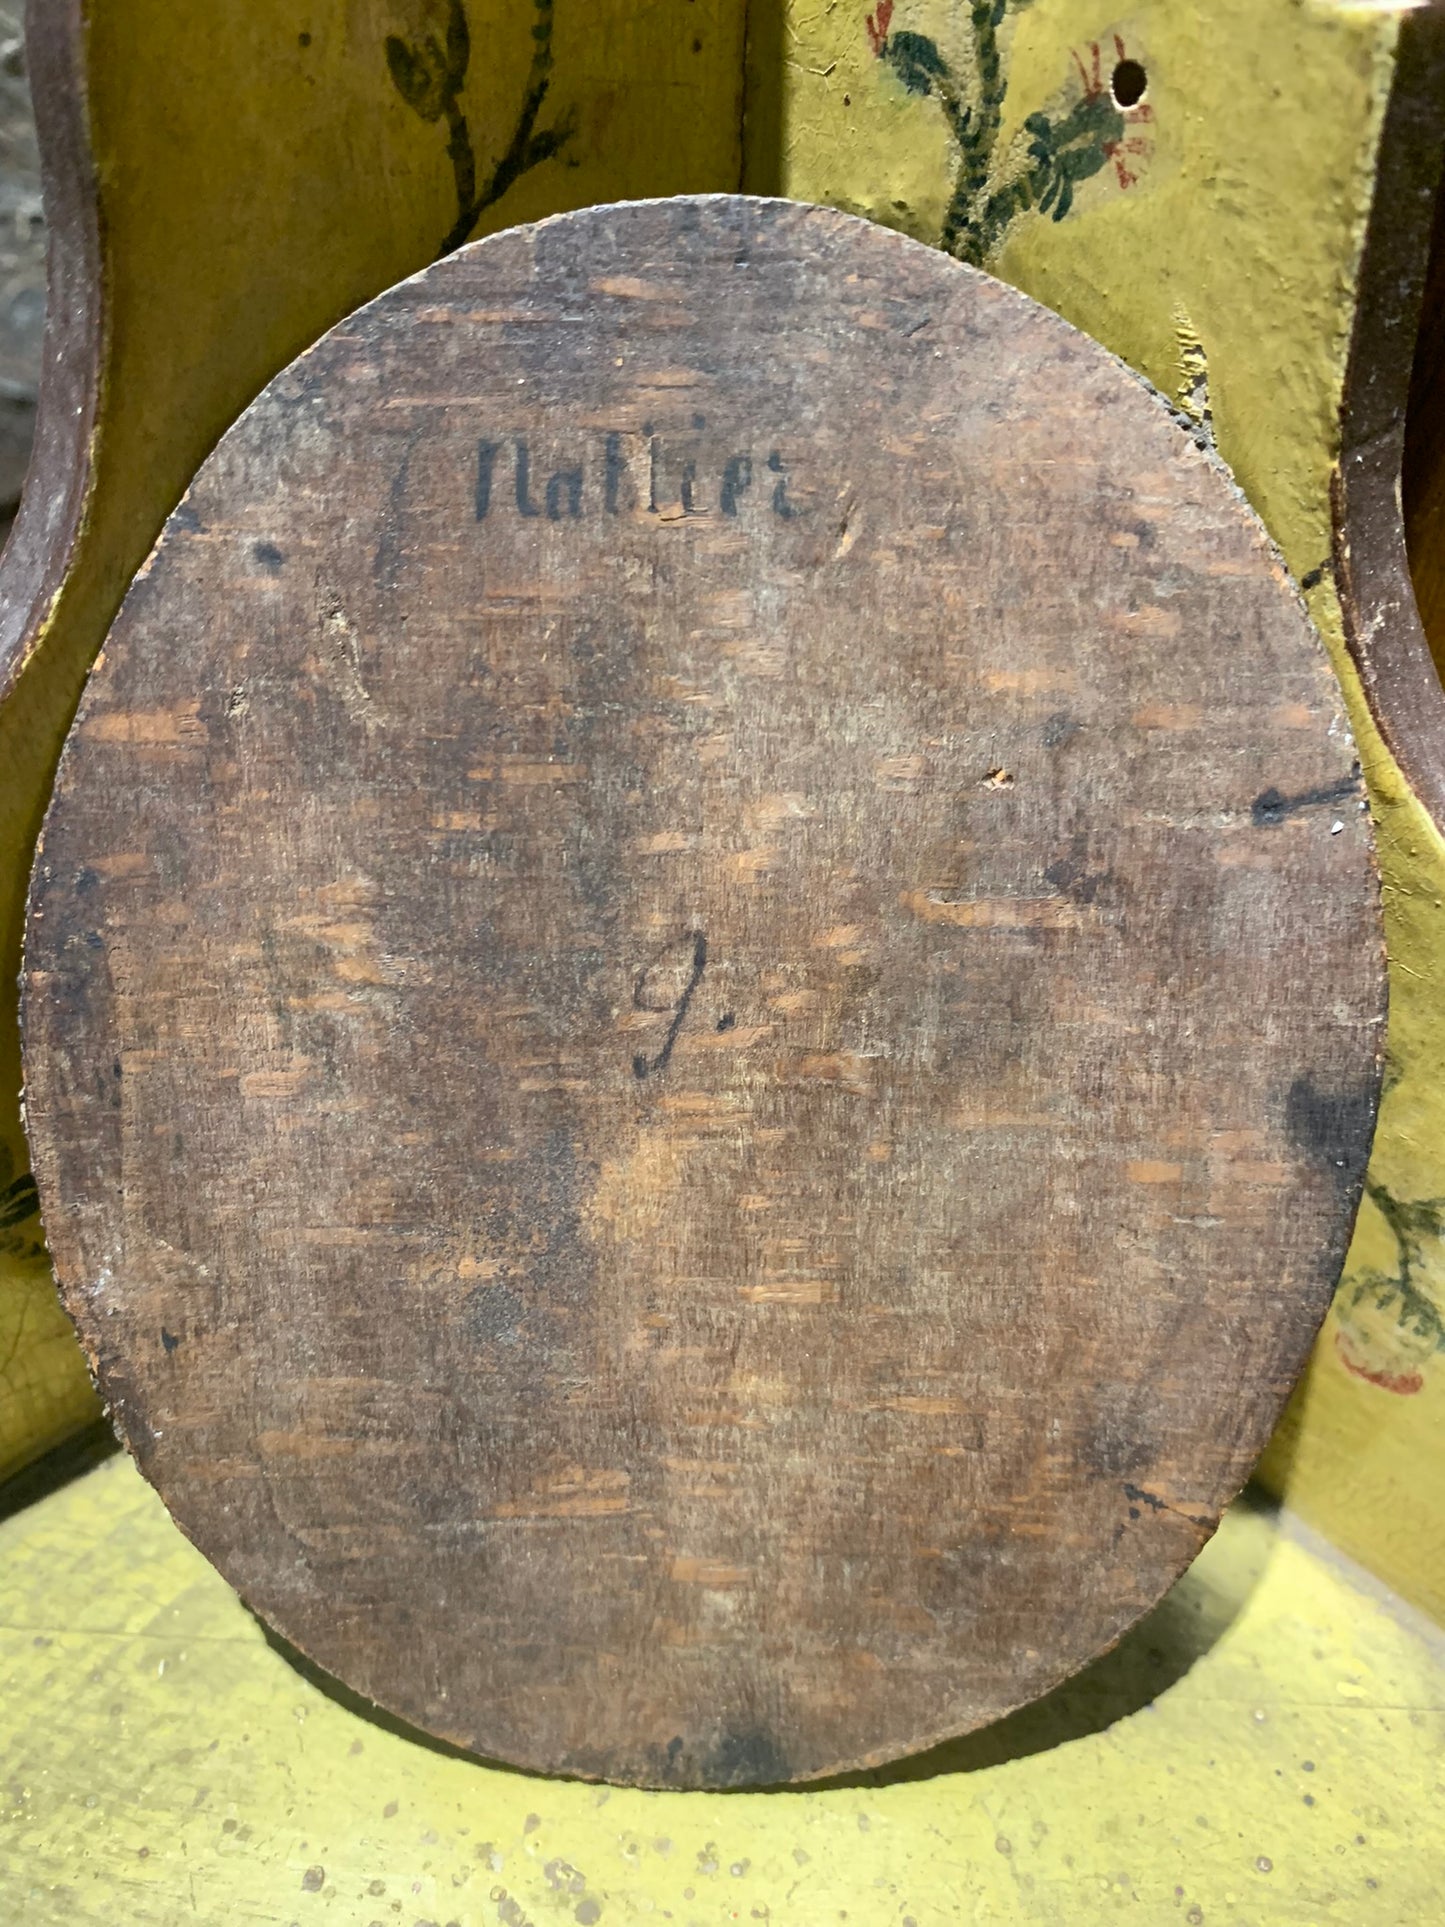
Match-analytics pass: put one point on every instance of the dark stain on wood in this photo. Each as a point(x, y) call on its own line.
point(786, 1405)
point(1270, 807)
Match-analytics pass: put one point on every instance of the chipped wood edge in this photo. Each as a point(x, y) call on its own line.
point(57, 490)
point(1383, 628)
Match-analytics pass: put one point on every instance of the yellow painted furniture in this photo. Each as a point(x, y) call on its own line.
point(1224, 231)
point(1265, 1748)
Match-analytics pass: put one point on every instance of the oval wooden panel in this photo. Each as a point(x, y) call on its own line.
point(703, 998)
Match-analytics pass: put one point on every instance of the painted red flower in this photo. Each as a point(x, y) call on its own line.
point(1125, 88)
point(1404, 1383)
point(878, 25)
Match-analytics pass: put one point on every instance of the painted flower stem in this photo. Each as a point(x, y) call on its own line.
point(464, 169)
point(1064, 147)
point(976, 131)
point(526, 149)
point(429, 77)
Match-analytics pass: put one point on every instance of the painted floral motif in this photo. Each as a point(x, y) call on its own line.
point(1128, 151)
point(429, 73)
point(1388, 1323)
point(1061, 147)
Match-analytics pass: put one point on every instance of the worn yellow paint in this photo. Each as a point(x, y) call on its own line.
point(259, 176)
point(1267, 1746)
point(1226, 274)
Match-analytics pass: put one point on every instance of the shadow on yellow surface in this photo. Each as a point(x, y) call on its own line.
point(1266, 1747)
point(1151, 1658)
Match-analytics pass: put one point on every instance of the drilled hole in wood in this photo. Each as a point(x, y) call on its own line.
point(1128, 83)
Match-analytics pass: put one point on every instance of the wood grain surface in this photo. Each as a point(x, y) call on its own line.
point(703, 998)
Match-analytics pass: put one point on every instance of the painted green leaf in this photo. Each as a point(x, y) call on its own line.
point(916, 61)
point(419, 75)
point(1410, 1220)
point(1071, 150)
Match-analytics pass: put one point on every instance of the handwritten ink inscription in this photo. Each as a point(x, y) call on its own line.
point(666, 987)
point(621, 474)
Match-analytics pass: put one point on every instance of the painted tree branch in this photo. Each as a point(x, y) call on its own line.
point(429, 76)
